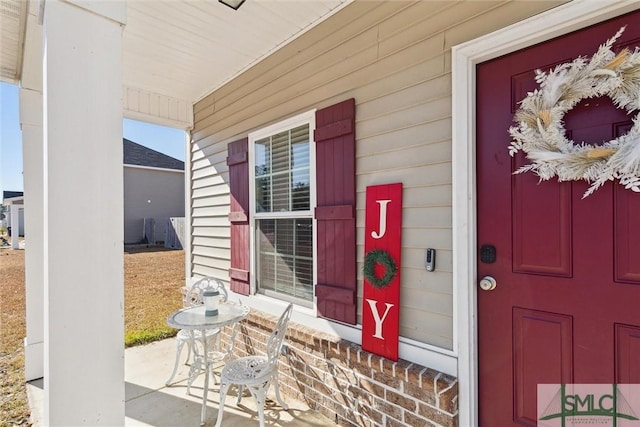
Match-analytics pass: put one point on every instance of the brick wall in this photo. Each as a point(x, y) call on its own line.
point(354, 387)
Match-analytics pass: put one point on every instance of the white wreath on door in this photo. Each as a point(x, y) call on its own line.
point(540, 131)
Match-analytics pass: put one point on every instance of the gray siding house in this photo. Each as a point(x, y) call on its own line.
point(153, 191)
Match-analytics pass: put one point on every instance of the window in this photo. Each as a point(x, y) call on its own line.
point(282, 202)
point(270, 255)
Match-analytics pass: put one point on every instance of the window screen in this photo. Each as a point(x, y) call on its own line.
point(285, 256)
point(282, 171)
point(283, 223)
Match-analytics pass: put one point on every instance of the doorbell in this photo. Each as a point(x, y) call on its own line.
point(430, 261)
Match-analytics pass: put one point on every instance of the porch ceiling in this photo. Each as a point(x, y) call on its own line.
point(184, 49)
point(13, 17)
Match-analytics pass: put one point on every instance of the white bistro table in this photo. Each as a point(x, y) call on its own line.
point(193, 318)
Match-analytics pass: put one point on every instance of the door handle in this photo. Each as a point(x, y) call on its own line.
point(488, 283)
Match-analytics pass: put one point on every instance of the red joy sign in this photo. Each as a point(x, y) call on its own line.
point(381, 294)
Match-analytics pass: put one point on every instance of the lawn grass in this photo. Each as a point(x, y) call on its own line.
point(152, 282)
point(13, 394)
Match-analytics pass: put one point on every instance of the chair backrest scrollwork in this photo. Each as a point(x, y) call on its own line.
point(193, 296)
point(276, 339)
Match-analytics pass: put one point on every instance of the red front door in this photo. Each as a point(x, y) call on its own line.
point(566, 306)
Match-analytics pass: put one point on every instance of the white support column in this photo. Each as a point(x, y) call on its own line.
point(83, 256)
point(32, 158)
point(15, 225)
point(188, 264)
point(32, 166)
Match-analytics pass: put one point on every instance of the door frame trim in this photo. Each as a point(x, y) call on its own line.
point(555, 22)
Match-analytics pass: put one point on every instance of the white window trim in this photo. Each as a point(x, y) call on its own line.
point(547, 25)
point(309, 118)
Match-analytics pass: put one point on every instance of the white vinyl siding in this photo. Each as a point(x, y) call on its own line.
point(394, 59)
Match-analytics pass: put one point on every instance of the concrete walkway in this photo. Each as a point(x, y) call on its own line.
point(150, 403)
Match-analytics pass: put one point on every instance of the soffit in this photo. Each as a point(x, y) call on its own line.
point(185, 49)
point(13, 16)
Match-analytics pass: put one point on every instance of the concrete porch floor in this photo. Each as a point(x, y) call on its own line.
point(148, 402)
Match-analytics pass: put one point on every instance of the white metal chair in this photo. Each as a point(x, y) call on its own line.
point(213, 354)
point(191, 297)
point(256, 372)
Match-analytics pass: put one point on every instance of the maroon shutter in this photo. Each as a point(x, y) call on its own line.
point(238, 161)
point(335, 211)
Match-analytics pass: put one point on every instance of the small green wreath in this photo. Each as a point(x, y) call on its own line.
point(378, 256)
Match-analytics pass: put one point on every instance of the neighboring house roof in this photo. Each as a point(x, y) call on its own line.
point(7, 195)
point(138, 155)
point(11, 194)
